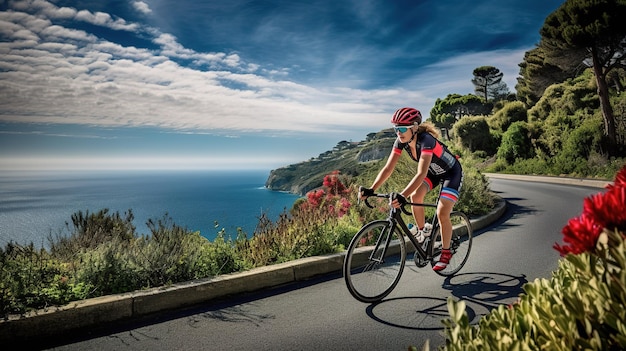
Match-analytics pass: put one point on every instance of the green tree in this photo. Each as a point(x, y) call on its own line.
point(536, 74)
point(449, 110)
point(488, 83)
point(473, 133)
point(597, 27)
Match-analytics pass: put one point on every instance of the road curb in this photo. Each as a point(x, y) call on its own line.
point(592, 183)
point(90, 313)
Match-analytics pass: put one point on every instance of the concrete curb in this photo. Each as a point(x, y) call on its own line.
point(593, 183)
point(90, 313)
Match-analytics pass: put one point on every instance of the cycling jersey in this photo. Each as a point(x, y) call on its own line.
point(443, 160)
point(444, 166)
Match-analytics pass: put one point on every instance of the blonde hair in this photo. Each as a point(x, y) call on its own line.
point(429, 128)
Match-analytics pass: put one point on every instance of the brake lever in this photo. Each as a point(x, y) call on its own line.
point(402, 206)
point(364, 200)
point(406, 212)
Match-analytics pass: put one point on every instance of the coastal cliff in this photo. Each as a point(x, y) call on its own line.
point(350, 158)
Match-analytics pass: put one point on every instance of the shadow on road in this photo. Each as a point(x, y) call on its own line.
point(481, 291)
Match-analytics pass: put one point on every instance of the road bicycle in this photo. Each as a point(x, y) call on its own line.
point(377, 253)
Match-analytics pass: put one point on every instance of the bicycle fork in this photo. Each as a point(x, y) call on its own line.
point(387, 240)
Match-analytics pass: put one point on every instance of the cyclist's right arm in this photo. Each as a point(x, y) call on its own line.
point(383, 174)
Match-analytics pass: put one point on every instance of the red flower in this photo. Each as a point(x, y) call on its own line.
point(609, 209)
point(603, 210)
point(620, 178)
point(581, 234)
point(331, 196)
point(617, 195)
point(333, 184)
point(315, 197)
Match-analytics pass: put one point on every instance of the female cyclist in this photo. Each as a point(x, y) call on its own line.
point(435, 164)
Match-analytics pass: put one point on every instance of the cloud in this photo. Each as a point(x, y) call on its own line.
point(142, 7)
point(78, 78)
point(51, 72)
point(286, 79)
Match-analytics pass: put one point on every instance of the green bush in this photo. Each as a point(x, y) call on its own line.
point(474, 134)
point(109, 269)
point(580, 308)
point(516, 143)
point(475, 198)
point(31, 278)
point(511, 112)
point(89, 230)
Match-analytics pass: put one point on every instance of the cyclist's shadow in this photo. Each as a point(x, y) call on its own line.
point(481, 292)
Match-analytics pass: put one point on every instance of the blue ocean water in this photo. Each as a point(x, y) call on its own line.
point(34, 205)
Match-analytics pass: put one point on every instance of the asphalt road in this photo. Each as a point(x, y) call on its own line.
point(321, 315)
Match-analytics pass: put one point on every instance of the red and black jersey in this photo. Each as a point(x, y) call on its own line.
point(443, 160)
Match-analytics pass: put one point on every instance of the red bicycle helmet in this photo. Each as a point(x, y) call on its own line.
point(406, 116)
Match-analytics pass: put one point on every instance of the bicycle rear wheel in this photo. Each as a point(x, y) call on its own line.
point(374, 261)
point(460, 245)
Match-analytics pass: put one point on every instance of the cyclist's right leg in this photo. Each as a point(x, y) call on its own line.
point(418, 197)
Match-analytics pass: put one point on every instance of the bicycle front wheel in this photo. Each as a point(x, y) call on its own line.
point(374, 261)
point(460, 244)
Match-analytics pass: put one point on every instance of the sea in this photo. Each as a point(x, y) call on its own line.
point(35, 206)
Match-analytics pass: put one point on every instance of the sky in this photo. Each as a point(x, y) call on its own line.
point(237, 84)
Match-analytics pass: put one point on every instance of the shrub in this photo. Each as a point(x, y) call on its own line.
point(109, 269)
point(174, 254)
point(473, 133)
point(516, 143)
point(475, 198)
point(89, 230)
point(581, 307)
point(31, 278)
point(511, 112)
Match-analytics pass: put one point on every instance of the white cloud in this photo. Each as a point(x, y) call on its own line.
point(142, 7)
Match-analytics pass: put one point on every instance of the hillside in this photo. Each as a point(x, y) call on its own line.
point(350, 158)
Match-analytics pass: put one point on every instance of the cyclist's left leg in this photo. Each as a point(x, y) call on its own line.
point(445, 225)
point(443, 214)
point(449, 196)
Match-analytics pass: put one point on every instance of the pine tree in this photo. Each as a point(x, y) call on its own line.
point(597, 28)
point(488, 83)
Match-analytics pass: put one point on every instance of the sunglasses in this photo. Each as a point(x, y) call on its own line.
point(401, 129)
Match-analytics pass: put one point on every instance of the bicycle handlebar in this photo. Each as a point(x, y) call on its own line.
point(391, 197)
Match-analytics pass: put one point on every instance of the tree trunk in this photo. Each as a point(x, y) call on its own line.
point(603, 94)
